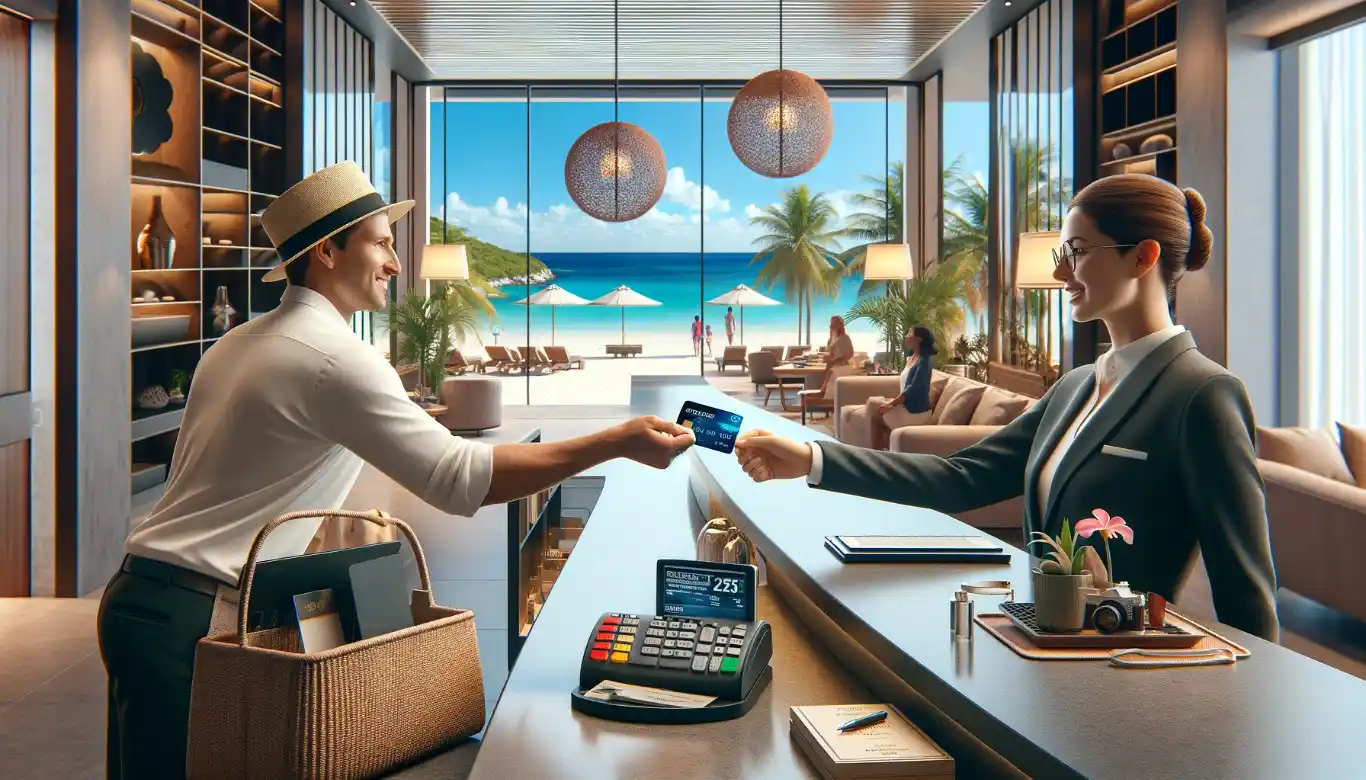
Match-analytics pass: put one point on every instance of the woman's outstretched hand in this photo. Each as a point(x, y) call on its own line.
point(765, 456)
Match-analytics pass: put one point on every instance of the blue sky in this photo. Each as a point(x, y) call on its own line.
point(484, 153)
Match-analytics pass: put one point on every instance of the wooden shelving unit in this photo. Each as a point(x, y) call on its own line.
point(1138, 87)
point(223, 164)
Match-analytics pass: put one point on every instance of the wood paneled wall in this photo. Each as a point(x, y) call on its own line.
point(14, 299)
point(93, 277)
point(1202, 126)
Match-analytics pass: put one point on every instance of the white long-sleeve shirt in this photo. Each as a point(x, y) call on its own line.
point(282, 412)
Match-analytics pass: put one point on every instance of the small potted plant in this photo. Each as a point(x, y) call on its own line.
point(1108, 527)
point(1061, 582)
point(180, 385)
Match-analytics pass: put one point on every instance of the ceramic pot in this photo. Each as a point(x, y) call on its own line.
point(1060, 600)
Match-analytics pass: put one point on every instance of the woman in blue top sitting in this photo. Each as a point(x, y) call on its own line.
point(912, 407)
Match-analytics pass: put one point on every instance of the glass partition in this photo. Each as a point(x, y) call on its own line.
point(553, 276)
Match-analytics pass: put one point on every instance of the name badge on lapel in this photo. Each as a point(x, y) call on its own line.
point(1123, 452)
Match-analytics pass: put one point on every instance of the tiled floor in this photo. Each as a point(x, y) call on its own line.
point(52, 685)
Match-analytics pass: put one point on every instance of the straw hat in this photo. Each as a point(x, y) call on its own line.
point(319, 207)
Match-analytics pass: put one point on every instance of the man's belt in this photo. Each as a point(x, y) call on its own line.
point(171, 574)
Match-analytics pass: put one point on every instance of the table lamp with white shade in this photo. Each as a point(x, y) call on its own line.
point(444, 262)
point(888, 263)
point(1034, 271)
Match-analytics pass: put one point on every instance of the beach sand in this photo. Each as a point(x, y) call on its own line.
point(607, 380)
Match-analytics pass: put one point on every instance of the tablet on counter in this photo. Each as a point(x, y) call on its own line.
point(916, 549)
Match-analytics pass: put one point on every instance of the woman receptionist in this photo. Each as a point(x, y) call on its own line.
point(1154, 432)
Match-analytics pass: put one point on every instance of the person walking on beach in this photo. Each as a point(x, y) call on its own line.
point(697, 334)
point(708, 339)
point(730, 325)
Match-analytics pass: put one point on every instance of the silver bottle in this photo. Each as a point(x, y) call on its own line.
point(711, 543)
point(737, 549)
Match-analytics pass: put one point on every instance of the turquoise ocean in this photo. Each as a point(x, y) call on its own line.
point(680, 281)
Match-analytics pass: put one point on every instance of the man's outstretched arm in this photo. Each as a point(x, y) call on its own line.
point(523, 469)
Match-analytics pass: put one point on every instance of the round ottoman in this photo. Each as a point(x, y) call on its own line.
point(473, 403)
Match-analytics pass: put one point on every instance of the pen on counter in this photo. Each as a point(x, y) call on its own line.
point(866, 720)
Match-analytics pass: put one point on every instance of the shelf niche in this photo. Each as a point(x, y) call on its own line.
point(175, 159)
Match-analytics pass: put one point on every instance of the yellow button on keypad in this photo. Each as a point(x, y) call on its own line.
point(622, 648)
point(620, 658)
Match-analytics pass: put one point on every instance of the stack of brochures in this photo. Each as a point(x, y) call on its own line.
point(892, 749)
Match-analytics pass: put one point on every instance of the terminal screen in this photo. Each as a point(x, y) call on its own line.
point(700, 592)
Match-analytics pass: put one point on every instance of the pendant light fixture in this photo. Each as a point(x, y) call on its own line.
point(615, 171)
point(780, 122)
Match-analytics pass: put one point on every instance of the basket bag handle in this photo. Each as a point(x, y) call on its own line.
point(376, 517)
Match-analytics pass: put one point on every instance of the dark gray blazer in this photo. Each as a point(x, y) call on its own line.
point(1197, 492)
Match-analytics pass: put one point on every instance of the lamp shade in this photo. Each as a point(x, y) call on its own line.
point(780, 124)
point(1034, 261)
point(445, 261)
point(888, 262)
point(615, 172)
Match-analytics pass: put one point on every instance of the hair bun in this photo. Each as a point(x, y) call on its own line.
point(1202, 239)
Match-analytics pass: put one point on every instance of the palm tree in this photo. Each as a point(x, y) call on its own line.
point(965, 229)
point(796, 251)
point(931, 299)
point(427, 328)
point(878, 221)
point(476, 290)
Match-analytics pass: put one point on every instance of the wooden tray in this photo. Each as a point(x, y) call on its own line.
point(1172, 636)
point(1004, 629)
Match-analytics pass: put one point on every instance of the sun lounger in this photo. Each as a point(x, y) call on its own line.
point(733, 356)
point(560, 358)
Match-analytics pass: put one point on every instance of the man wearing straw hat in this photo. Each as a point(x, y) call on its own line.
point(284, 411)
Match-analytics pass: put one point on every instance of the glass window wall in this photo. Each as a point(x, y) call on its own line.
point(498, 158)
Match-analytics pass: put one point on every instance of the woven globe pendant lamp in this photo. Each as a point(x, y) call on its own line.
point(780, 123)
point(615, 171)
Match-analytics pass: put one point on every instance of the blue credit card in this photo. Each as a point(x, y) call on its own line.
point(714, 428)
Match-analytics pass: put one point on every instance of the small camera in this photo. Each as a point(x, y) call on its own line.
point(1115, 609)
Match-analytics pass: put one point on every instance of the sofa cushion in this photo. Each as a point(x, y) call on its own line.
point(998, 407)
point(938, 382)
point(1354, 451)
point(959, 401)
point(1309, 449)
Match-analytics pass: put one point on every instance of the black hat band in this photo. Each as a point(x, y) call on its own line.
point(355, 210)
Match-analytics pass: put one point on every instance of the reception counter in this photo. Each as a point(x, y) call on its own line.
point(880, 633)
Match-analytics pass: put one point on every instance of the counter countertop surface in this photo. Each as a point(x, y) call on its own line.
point(1275, 715)
point(643, 515)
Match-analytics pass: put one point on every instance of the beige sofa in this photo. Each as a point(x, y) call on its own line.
point(1316, 506)
point(982, 409)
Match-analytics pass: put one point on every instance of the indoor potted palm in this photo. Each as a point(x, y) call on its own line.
point(427, 327)
point(1061, 581)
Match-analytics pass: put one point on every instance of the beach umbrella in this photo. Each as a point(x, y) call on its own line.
point(743, 295)
point(622, 297)
point(553, 295)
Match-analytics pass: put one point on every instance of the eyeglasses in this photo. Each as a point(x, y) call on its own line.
point(1069, 254)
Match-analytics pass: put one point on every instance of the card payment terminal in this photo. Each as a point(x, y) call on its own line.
point(703, 639)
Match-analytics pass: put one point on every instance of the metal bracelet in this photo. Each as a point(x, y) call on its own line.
point(989, 588)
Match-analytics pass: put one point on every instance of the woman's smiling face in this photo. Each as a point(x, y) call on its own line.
point(1105, 279)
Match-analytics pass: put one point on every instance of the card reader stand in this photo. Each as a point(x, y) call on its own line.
point(728, 659)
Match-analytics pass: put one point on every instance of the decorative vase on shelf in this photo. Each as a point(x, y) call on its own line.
point(224, 315)
point(156, 242)
point(1121, 151)
point(1060, 600)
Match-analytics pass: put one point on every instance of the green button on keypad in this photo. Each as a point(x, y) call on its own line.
point(729, 665)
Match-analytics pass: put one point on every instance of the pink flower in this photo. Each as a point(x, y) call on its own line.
point(1108, 526)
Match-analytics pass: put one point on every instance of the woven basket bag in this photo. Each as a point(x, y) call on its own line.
point(262, 709)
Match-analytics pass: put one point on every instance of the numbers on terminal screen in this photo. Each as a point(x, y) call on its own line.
point(726, 586)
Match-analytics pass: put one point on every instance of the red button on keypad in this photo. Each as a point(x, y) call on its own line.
point(611, 621)
point(598, 655)
point(602, 645)
point(607, 637)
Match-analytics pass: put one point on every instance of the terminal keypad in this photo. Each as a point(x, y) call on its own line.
point(697, 646)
